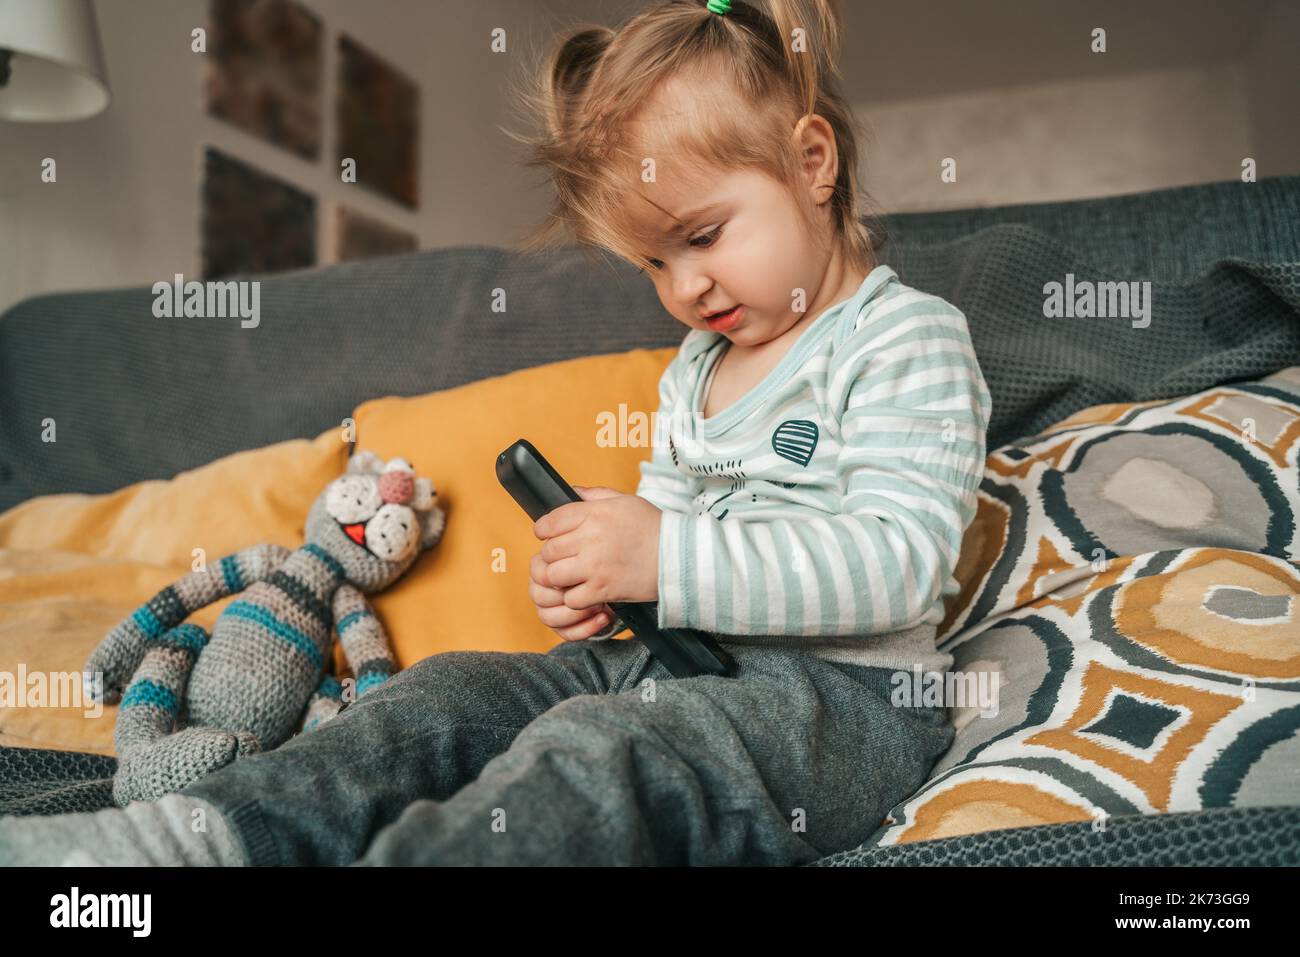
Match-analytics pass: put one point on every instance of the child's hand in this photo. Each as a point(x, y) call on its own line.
point(569, 623)
point(602, 549)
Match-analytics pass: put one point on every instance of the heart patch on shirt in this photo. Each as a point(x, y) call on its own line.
point(795, 439)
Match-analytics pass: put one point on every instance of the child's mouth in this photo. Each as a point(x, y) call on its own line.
point(727, 320)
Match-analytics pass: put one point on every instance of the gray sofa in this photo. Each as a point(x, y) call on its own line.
point(138, 397)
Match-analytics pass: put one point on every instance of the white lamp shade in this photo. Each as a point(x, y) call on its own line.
point(57, 67)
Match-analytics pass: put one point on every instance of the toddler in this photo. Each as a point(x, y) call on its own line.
point(821, 431)
point(819, 442)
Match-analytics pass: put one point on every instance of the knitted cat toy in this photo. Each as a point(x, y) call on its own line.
point(261, 674)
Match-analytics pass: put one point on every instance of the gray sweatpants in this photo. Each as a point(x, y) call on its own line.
point(591, 753)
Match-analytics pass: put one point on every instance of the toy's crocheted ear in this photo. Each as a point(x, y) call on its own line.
point(365, 463)
point(433, 523)
point(423, 498)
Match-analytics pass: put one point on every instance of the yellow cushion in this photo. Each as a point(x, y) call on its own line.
point(72, 566)
point(473, 591)
point(261, 495)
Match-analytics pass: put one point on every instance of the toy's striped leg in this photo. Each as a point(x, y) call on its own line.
point(365, 642)
point(153, 758)
point(117, 656)
point(151, 706)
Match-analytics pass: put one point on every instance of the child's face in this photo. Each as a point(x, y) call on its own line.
point(749, 247)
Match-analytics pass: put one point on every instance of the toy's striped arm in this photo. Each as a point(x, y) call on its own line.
point(326, 701)
point(365, 643)
point(117, 656)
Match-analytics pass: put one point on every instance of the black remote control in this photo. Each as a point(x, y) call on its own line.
point(538, 488)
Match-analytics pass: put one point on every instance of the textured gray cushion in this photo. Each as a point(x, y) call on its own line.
point(1217, 837)
point(1168, 234)
point(137, 397)
point(49, 781)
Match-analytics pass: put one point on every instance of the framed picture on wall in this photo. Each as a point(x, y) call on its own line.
point(253, 222)
point(357, 236)
point(378, 123)
point(266, 70)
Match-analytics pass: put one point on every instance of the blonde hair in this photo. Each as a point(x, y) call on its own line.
point(589, 92)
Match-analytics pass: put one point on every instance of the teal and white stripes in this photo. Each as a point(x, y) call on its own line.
point(831, 499)
point(365, 643)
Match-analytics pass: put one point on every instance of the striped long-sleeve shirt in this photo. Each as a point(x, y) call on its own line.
point(826, 507)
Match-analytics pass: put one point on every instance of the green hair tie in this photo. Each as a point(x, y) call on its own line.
point(719, 6)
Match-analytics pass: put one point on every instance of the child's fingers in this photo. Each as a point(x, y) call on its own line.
point(561, 616)
point(537, 570)
point(545, 597)
point(571, 624)
point(585, 629)
point(592, 493)
point(542, 594)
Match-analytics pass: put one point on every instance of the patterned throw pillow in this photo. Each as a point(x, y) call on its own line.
point(1133, 575)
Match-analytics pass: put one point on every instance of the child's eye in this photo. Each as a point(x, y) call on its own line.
point(712, 236)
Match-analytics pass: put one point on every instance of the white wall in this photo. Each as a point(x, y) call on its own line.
point(1055, 141)
point(1272, 69)
point(126, 207)
point(1014, 92)
point(1189, 87)
point(1098, 135)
